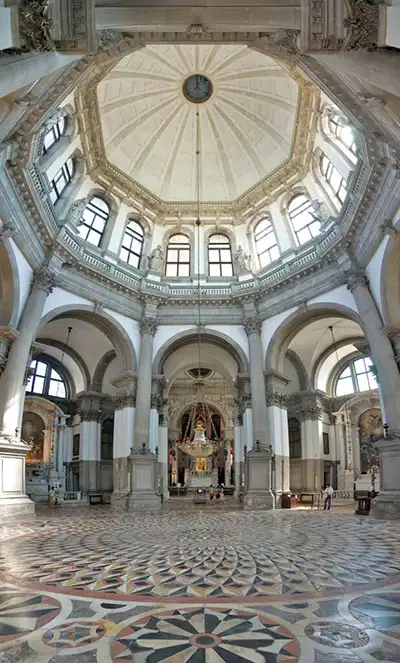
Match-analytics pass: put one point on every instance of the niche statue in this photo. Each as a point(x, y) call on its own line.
point(156, 260)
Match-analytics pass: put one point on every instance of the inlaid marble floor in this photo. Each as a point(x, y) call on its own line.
point(200, 586)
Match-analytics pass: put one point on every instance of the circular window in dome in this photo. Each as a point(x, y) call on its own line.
point(197, 88)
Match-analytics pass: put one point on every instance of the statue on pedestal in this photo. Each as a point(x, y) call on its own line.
point(242, 261)
point(156, 260)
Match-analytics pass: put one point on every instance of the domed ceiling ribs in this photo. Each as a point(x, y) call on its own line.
point(247, 125)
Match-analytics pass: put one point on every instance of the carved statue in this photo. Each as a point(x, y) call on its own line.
point(321, 212)
point(156, 260)
point(242, 261)
point(75, 212)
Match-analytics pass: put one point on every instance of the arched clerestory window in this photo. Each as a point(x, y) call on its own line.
point(333, 178)
point(62, 179)
point(56, 131)
point(45, 380)
point(302, 217)
point(355, 377)
point(132, 244)
point(94, 220)
point(265, 241)
point(178, 256)
point(343, 132)
point(219, 256)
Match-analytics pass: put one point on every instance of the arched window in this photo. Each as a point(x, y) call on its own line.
point(265, 240)
point(343, 132)
point(54, 134)
point(45, 380)
point(61, 180)
point(132, 244)
point(336, 182)
point(294, 438)
point(357, 376)
point(107, 436)
point(178, 256)
point(304, 222)
point(219, 256)
point(94, 219)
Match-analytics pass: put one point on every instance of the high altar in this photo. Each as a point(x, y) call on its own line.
point(201, 473)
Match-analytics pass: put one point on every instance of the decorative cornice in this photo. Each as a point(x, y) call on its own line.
point(43, 279)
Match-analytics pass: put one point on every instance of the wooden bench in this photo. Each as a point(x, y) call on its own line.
point(96, 499)
point(307, 495)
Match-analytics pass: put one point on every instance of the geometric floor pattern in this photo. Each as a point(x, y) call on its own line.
point(200, 586)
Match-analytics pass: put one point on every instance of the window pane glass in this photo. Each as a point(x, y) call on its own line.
point(101, 204)
point(184, 255)
point(303, 236)
point(136, 246)
point(183, 270)
point(93, 238)
point(213, 255)
point(219, 239)
point(214, 270)
point(41, 368)
point(359, 365)
point(172, 255)
point(344, 386)
point(171, 270)
point(264, 259)
point(38, 385)
point(124, 255)
point(274, 253)
point(372, 381)
point(363, 383)
point(346, 373)
point(134, 260)
point(98, 224)
point(55, 375)
point(226, 270)
point(88, 215)
point(55, 388)
point(225, 255)
point(178, 239)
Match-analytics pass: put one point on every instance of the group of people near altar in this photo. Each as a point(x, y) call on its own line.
point(217, 493)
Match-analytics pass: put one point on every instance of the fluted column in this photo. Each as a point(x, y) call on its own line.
point(148, 328)
point(259, 406)
point(387, 505)
point(11, 381)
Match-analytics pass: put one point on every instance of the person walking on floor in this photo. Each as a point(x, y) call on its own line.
point(328, 492)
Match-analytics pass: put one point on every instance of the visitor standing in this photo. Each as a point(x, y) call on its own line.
point(211, 493)
point(328, 492)
point(222, 496)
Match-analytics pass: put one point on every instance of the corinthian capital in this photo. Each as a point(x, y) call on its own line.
point(355, 278)
point(252, 326)
point(43, 279)
point(148, 326)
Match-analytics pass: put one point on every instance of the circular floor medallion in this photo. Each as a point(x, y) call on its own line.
point(186, 631)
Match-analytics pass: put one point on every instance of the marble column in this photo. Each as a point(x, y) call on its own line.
point(345, 472)
point(239, 453)
point(13, 501)
point(278, 431)
point(143, 462)
point(387, 504)
point(124, 417)
point(163, 451)
point(90, 450)
point(259, 406)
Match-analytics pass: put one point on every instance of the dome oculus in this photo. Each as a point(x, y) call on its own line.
point(197, 88)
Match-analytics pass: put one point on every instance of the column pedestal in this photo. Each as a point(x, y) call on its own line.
point(143, 481)
point(13, 501)
point(387, 504)
point(258, 493)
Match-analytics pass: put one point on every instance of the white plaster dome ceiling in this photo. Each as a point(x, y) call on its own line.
point(246, 125)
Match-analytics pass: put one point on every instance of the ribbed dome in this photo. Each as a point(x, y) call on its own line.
point(149, 125)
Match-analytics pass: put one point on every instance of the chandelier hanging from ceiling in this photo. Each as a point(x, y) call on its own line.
point(195, 442)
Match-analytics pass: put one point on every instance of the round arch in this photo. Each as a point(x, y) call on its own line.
point(183, 407)
point(295, 322)
point(100, 370)
point(390, 282)
point(72, 354)
point(110, 327)
point(209, 335)
point(9, 286)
